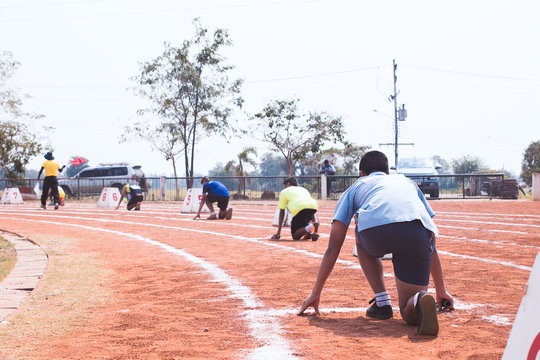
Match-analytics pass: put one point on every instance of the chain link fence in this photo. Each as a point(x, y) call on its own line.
point(461, 186)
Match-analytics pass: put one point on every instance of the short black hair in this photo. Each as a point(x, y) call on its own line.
point(374, 161)
point(291, 181)
point(205, 179)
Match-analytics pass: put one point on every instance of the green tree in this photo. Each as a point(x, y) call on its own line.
point(467, 164)
point(272, 165)
point(18, 144)
point(345, 159)
point(531, 162)
point(237, 168)
point(294, 134)
point(190, 93)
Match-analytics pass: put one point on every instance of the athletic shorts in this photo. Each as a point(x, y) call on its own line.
point(302, 219)
point(134, 200)
point(410, 243)
point(222, 201)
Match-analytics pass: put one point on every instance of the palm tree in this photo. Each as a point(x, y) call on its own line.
point(232, 167)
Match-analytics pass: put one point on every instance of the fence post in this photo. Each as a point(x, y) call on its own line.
point(323, 186)
point(162, 187)
point(536, 186)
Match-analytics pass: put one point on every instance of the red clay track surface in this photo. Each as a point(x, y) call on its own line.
point(155, 284)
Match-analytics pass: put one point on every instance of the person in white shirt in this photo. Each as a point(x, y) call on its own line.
point(392, 216)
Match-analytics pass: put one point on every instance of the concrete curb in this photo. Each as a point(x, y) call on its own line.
point(25, 275)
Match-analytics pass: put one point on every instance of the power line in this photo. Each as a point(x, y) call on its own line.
point(307, 88)
point(307, 76)
point(470, 84)
point(53, 4)
point(163, 11)
point(472, 74)
point(316, 75)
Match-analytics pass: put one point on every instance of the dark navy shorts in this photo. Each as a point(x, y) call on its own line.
point(222, 201)
point(135, 199)
point(302, 219)
point(410, 244)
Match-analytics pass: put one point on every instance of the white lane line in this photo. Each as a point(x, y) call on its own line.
point(264, 327)
point(478, 229)
point(346, 263)
point(186, 217)
point(139, 215)
point(279, 246)
point(489, 261)
point(487, 214)
point(491, 222)
point(506, 218)
point(323, 235)
point(489, 242)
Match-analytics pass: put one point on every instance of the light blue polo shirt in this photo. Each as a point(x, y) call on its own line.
point(381, 199)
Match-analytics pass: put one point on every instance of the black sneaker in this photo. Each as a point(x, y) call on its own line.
point(381, 313)
point(426, 315)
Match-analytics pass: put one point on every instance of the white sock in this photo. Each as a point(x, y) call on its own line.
point(308, 228)
point(213, 213)
point(416, 298)
point(383, 298)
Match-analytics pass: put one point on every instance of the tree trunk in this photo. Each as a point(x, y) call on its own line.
point(176, 179)
point(290, 165)
point(189, 180)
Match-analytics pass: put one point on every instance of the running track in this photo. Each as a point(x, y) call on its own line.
point(222, 289)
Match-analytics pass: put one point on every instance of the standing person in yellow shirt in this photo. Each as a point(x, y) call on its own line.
point(51, 180)
point(302, 207)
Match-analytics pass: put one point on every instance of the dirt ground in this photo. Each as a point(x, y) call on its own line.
point(155, 284)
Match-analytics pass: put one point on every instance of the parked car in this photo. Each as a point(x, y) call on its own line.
point(422, 171)
point(91, 180)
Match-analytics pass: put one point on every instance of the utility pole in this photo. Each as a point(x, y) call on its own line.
point(394, 66)
point(399, 115)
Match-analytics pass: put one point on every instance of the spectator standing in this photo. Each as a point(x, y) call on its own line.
point(50, 182)
point(328, 170)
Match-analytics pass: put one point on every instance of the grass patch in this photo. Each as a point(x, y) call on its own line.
point(8, 257)
point(73, 286)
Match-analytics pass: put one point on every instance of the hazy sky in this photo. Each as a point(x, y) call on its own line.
point(468, 71)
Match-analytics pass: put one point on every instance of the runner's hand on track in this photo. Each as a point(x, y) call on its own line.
point(445, 297)
point(275, 237)
point(310, 301)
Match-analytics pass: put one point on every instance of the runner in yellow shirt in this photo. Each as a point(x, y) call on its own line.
point(302, 207)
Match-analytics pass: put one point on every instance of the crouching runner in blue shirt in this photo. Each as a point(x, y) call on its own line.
point(392, 217)
point(214, 191)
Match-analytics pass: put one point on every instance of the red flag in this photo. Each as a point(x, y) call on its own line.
point(78, 161)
